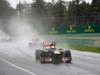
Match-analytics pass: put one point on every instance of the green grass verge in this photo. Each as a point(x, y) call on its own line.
point(86, 48)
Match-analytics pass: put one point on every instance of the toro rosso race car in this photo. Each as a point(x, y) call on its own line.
point(51, 54)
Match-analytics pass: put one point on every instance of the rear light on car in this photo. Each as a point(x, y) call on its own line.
point(46, 59)
point(65, 59)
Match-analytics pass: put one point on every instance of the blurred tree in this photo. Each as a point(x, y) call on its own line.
point(50, 11)
point(72, 9)
point(38, 9)
point(59, 11)
point(6, 12)
point(20, 8)
point(95, 7)
point(39, 14)
point(84, 9)
point(78, 11)
point(5, 9)
point(24, 9)
point(95, 1)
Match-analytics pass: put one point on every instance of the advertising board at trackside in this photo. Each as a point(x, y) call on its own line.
point(74, 29)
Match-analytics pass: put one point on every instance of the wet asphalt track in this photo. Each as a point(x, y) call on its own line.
point(16, 60)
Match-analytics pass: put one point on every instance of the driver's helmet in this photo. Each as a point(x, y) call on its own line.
point(52, 46)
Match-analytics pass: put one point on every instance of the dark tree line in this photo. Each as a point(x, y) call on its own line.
point(64, 13)
point(60, 13)
point(6, 12)
point(49, 13)
point(5, 9)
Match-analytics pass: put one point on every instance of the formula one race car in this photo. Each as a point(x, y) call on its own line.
point(51, 54)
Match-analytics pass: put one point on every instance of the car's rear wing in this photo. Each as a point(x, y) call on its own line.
point(49, 43)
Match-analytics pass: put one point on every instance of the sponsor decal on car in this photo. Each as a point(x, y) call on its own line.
point(56, 52)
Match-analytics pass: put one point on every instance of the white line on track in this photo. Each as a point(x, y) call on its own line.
point(18, 67)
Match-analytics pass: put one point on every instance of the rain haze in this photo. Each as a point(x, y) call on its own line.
point(49, 37)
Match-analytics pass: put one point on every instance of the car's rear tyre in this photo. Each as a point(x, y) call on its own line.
point(42, 56)
point(68, 55)
point(37, 54)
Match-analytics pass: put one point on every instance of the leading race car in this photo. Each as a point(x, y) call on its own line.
point(51, 54)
